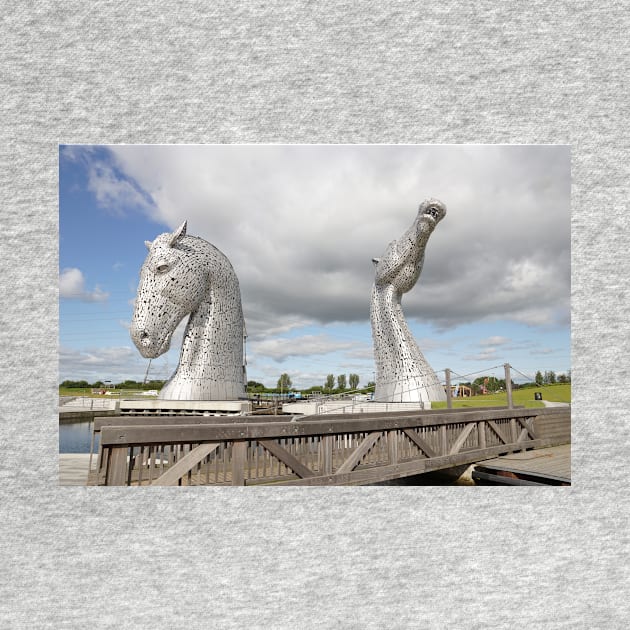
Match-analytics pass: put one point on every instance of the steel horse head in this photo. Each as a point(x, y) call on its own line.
point(185, 275)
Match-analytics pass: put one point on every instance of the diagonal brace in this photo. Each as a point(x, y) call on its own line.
point(461, 438)
point(357, 455)
point(527, 424)
point(493, 425)
point(424, 446)
point(286, 458)
point(172, 476)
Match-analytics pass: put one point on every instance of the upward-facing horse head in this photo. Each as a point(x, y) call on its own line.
point(402, 372)
point(186, 275)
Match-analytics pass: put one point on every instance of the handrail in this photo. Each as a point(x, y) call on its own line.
point(148, 432)
point(145, 420)
point(345, 448)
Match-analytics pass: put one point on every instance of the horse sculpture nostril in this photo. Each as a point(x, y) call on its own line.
point(144, 338)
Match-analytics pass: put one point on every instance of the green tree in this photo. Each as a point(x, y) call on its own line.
point(354, 381)
point(491, 383)
point(329, 385)
point(539, 378)
point(341, 382)
point(550, 377)
point(284, 382)
point(130, 384)
point(75, 384)
point(154, 384)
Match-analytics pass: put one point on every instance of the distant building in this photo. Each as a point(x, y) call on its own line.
point(463, 391)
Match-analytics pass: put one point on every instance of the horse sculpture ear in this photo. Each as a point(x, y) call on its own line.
point(180, 232)
point(148, 244)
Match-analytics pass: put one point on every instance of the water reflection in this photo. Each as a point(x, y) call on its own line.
point(75, 437)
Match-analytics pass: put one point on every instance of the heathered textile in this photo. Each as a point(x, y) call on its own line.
point(287, 72)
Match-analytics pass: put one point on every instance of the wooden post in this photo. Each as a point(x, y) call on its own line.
point(327, 453)
point(117, 466)
point(392, 445)
point(481, 428)
point(508, 385)
point(239, 459)
point(449, 394)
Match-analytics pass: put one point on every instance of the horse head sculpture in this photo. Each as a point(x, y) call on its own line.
point(185, 275)
point(402, 372)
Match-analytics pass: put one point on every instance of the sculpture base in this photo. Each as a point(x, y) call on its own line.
point(312, 408)
point(185, 407)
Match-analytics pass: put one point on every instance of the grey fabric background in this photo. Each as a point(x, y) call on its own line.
point(351, 72)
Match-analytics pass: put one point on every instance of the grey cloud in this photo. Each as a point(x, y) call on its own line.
point(301, 224)
point(99, 363)
point(280, 349)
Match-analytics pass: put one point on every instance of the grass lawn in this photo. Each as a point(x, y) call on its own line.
point(560, 392)
point(87, 391)
point(83, 391)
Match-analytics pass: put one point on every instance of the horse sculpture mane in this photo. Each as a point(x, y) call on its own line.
point(402, 372)
point(186, 275)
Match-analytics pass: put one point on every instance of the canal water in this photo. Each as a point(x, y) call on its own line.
point(75, 437)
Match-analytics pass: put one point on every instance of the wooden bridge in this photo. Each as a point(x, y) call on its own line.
point(343, 449)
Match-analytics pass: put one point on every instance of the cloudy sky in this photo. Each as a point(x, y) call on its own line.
point(300, 224)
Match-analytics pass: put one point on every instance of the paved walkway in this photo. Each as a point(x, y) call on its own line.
point(73, 468)
point(548, 403)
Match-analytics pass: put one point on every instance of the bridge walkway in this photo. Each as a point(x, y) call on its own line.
point(347, 449)
point(549, 466)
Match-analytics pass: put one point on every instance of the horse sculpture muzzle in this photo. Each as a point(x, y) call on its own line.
point(149, 346)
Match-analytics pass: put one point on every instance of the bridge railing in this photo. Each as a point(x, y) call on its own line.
point(326, 450)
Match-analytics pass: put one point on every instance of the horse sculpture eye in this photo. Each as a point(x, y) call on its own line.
point(161, 268)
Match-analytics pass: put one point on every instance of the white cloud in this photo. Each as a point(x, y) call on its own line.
point(543, 351)
point(494, 341)
point(300, 225)
point(113, 191)
point(365, 352)
point(92, 364)
point(280, 349)
point(72, 286)
point(487, 355)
